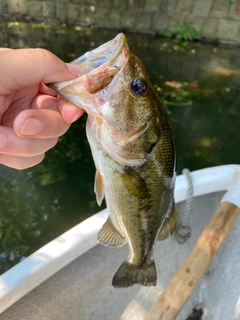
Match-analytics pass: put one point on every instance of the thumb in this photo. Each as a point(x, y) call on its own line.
point(27, 67)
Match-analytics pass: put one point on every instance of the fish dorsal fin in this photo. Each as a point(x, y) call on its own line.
point(110, 236)
point(99, 188)
point(134, 183)
point(169, 226)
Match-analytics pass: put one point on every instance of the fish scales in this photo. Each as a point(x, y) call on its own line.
point(132, 146)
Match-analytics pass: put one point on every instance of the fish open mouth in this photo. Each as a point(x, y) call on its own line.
point(97, 68)
point(105, 54)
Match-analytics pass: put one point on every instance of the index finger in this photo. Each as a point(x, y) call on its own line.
point(5, 49)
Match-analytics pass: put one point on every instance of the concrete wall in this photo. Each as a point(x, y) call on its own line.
point(214, 19)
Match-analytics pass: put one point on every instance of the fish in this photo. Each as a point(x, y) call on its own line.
point(131, 141)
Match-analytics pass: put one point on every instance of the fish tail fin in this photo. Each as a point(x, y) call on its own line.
point(129, 274)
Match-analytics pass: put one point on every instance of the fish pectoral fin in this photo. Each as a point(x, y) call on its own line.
point(110, 236)
point(99, 188)
point(134, 183)
point(169, 226)
point(129, 274)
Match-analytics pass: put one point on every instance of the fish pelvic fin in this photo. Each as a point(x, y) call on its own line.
point(110, 236)
point(129, 274)
point(99, 188)
point(169, 226)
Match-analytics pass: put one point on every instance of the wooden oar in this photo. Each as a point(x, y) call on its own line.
point(179, 289)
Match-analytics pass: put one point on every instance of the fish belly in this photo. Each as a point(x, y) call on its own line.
point(137, 209)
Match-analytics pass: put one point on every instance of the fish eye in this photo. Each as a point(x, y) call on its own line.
point(139, 87)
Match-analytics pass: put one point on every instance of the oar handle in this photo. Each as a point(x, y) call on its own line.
point(179, 289)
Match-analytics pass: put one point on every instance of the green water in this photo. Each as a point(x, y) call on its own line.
point(199, 84)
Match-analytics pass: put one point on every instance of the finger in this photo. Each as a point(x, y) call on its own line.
point(74, 69)
point(46, 90)
point(20, 163)
point(40, 124)
point(5, 49)
point(28, 67)
point(15, 116)
point(11, 144)
point(21, 101)
point(43, 101)
point(42, 121)
point(69, 111)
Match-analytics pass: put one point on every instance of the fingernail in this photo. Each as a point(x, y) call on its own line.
point(74, 69)
point(3, 140)
point(31, 127)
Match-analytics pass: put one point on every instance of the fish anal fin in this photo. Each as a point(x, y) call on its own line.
point(110, 236)
point(134, 183)
point(128, 275)
point(169, 226)
point(99, 188)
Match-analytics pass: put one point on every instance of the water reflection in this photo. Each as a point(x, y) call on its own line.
point(200, 87)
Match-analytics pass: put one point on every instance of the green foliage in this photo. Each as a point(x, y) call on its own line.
point(230, 19)
point(187, 32)
point(165, 34)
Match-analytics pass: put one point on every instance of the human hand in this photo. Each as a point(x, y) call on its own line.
point(31, 116)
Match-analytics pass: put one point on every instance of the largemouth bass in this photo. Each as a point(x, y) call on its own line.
point(133, 150)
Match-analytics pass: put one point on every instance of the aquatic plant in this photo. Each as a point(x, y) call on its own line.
point(187, 32)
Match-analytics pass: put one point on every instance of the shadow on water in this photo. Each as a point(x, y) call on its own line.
point(199, 84)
